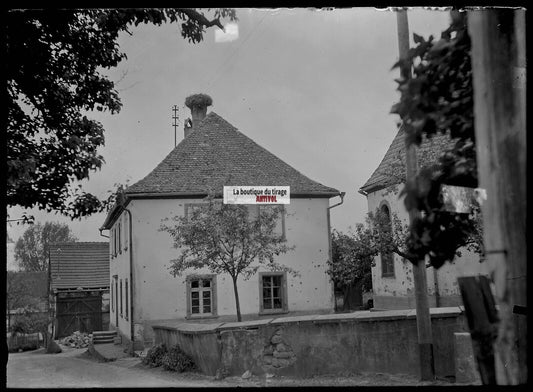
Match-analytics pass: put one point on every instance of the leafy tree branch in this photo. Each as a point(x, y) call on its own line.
point(225, 240)
point(438, 99)
point(54, 82)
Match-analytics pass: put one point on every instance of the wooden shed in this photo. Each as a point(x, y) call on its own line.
point(79, 287)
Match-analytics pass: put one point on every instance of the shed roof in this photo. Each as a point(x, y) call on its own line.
point(79, 265)
point(391, 170)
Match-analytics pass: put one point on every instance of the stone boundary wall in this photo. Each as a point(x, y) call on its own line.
point(303, 346)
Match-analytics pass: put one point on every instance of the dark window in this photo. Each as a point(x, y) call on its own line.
point(387, 258)
point(115, 242)
point(112, 299)
point(201, 295)
point(119, 237)
point(111, 251)
point(126, 232)
point(126, 295)
point(273, 292)
point(120, 297)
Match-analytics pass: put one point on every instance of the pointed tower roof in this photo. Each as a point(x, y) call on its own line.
point(391, 170)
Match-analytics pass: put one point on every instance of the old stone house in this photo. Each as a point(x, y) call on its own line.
point(212, 154)
point(392, 277)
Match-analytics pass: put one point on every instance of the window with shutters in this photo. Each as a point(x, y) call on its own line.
point(201, 296)
point(272, 292)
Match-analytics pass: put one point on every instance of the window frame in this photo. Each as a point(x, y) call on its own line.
point(213, 296)
point(284, 293)
point(387, 259)
point(282, 216)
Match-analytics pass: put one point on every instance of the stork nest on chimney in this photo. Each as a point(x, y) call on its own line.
point(198, 100)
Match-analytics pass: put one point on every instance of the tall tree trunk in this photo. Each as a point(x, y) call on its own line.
point(237, 304)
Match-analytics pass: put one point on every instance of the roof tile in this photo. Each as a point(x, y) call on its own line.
point(391, 170)
point(217, 154)
point(79, 264)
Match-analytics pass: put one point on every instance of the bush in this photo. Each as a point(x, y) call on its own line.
point(154, 356)
point(176, 360)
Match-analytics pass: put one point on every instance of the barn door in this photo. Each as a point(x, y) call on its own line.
point(79, 313)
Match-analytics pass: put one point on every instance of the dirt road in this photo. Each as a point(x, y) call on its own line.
point(35, 369)
point(73, 368)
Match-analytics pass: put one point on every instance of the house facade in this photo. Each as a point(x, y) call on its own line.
point(392, 275)
point(212, 154)
point(79, 287)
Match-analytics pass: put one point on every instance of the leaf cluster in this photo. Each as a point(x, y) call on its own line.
point(176, 360)
point(31, 250)
point(352, 257)
point(154, 356)
point(438, 99)
point(353, 253)
point(54, 80)
point(225, 239)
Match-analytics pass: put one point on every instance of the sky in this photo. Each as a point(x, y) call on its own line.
point(314, 87)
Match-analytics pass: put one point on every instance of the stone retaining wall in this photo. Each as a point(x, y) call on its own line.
point(304, 346)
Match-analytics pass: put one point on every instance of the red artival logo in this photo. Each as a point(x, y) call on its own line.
point(265, 199)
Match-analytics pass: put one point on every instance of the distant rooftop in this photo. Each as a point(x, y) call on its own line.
point(391, 170)
point(82, 265)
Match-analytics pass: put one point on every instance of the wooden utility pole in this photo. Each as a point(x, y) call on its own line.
point(423, 318)
point(175, 117)
point(499, 66)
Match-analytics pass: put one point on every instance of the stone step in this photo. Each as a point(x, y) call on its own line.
point(104, 333)
point(104, 337)
point(102, 341)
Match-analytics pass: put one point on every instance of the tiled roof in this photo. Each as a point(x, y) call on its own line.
point(217, 154)
point(79, 264)
point(391, 170)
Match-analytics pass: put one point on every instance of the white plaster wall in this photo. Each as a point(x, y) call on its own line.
point(159, 295)
point(119, 265)
point(402, 283)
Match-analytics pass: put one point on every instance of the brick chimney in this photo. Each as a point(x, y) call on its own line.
point(198, 104)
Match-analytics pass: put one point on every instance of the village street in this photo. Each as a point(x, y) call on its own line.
point(73, 368)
